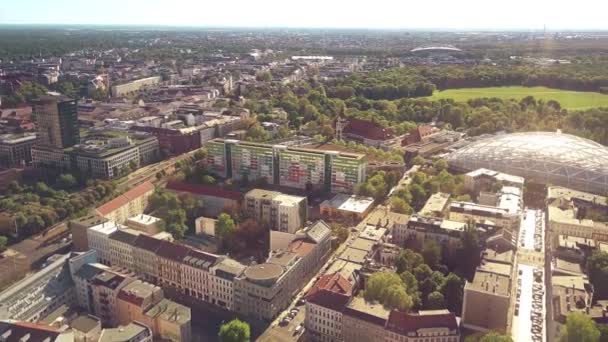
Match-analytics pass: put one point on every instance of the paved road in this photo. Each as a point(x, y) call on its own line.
point(275, 331)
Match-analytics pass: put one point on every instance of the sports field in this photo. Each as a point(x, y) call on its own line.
point(567, 98)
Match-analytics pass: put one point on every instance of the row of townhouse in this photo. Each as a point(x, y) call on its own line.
point(334, 313)
point(118, 298)
point(256, 290)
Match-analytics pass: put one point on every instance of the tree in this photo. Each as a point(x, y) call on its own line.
point(418, 160)
point(603, 328)
point(132, 165)
point(491, 336)
point(597, 264)
point(327, 131)
point(177, 230)
point(579, 327)
point(31, 90)
point(235, 331)
point(207, 179)
point(408, 260)
point(399, 205)
point(469, 252)
point(225, 226)
point(410, 282)
point(397, 298)
point(257, 133)
point(200, 154)
point(440, 165)
point(418, 195)
point(388, 289)
point(264, 76)
point(100, 94)
point(435, 301)
point(3, 243)
point(452, 291)
point(68, 89)
point(66, 181)
point(422, 272)
point(431, 252)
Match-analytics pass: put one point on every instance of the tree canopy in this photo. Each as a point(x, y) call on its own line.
point(388, 289)
point(597, 265)
point(579, 327)
point(234, 331)
point(3, 243)
point(225, 225)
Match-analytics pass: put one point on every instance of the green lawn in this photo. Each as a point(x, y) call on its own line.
point(568, 99)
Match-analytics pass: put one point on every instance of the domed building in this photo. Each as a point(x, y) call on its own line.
point(540, 157)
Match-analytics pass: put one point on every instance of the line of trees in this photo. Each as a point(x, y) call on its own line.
point(422, 81)
point(424, 183)
point(38, 206)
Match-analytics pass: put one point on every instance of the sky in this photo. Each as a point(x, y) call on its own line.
point(387, 14)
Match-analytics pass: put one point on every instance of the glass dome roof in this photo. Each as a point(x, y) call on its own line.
point(540, 157)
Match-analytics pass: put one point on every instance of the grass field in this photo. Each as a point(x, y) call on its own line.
point(568, 99)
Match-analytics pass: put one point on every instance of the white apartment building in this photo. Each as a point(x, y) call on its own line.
point(564, 207)
point(149, 150)
point(133, 86)
point(99, 240)
point(121, 248)
point(424, 326)
point(282, 212)
point(108, 166)
point(145, 257)
point(266, 289)
point(196, 274)
point(323, 319)
point(222, 282)
point(51, 157)
point(131, 203)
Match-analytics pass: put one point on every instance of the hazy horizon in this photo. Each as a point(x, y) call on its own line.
point(491, 15)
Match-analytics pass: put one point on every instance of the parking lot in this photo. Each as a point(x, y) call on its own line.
point(532, 235)
point(529, 313)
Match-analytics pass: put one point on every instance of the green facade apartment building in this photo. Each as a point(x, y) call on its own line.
point(299, 168)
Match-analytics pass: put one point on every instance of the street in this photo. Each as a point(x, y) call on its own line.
point(277, 332)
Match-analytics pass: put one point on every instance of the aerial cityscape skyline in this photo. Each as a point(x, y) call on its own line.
point(167, 182)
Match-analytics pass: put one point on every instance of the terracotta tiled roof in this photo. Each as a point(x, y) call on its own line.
point(125, 198)
point(368, 129)
point(328, 299)
point(206, 190)
point(334, 283)
point(402, 322)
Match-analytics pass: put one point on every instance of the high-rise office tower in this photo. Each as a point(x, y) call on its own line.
point(57, 121)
